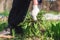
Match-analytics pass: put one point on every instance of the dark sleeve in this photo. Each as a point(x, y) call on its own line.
point(39, 1)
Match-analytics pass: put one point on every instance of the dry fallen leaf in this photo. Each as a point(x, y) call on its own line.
point(6, 36)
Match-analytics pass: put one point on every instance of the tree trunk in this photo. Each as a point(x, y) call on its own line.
point(1, 5)
point(58, 5)
point(5, 5)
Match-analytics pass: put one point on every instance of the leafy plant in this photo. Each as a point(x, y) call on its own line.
point(43, 29)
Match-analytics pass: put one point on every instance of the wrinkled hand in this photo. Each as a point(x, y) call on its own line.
point(35, 12)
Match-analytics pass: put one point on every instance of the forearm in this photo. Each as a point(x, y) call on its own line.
point(35, 2)
point(35, 9)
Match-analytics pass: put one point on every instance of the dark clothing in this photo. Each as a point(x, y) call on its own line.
point(39, 1)
point(18, 13)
